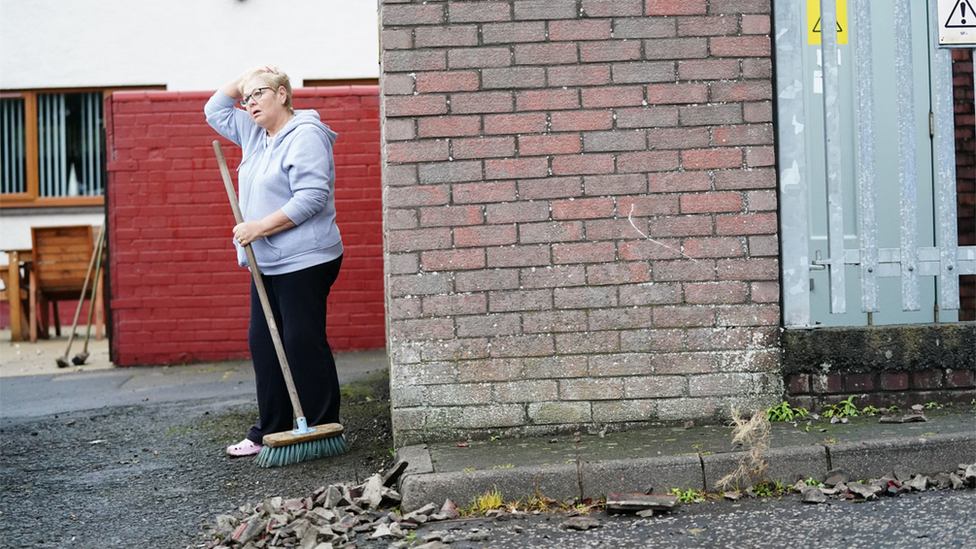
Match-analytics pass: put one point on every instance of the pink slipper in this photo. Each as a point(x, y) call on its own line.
point(244, 448)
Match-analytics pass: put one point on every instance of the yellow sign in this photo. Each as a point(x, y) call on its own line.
point(813, 21)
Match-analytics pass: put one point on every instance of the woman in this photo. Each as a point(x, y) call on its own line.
point(286, 182)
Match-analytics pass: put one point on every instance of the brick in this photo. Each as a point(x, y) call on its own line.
point(750, 134)
point(488, 325)
point(716, 293)
point(398, 84)
point(582, 164)
point(516, 168)
point(760, 111)
point(578, 75)
point(713, 247)
point(622, 364)
point(745, 179)
point(752, 90)
point(960, 379)
point(546, 100)
point(857, 383)
point(527, 391)
point(489, 370)
point(748, 315)
point(414, 14)
point(519, 212)
point(644, 27)
point(411, 60)
point(557, 53)
point(451, 216)
point(513, 77)
point(534, 122)
point(764, 292)
point(590, 252)
point(548, 144)
point(684, 363)
point(675, 48)
point(927, 379)
point(427, 284)
point(663, 94)
point(423, 239)
point(894, 381)
point(396, 175)
point(417, 151)
point(454, 36)
point(396, 39)
point(587, 208)
point(522, 300)
point(757, 68)
point(422, 328)
point(753, 223)
point(710, 159)
point(643, 206)
point(734, 7)
point(450, 172)
point(649, 117)
point(523, 346)
point(591, 389)
point(636, 73)
point(708, 26)
point(748, 269)
point(398, 197)
point(451, 305)
point(631, 140)
point(477, 58)
point(582, 120)
point(447, 126)
point(545, 9)
point(681, 226)
point(416, 105)
point(585, 29)
point(481, 193)
point(550, 322)
point(758, 157)
point(551, 187)
point(709, 115)
point(518, 256)
point(618, 274)
point(656, 341)
point(588, 343)
point(612, 8)
point(761, 200)
point(495, 235)
point(650, 161)
point(798, 384)
point(683, 317)
point(675, 7)
point(404, 308)
point(684, 271)
point(594, 185)
point(512, 33)
point(483, 102)
point(678, 138)
point(621, 96)
point(534, 233)
point(544, 413)
point(492, 279)
point(739, 46)
point(553, 276)
point(708, 69)
point(447, 81)
point(483, 147)
point(711, 203)
point(647, 250)
point(401, 219)
point(477, 12)
point(400, 129)
point(617, 50)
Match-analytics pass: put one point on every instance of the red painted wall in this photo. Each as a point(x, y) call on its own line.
point(176, 292)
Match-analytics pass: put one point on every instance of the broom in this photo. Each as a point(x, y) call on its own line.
point(304, 443)
point(81, 357)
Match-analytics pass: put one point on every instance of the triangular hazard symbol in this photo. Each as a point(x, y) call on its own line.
point(816, 26)
point(962, 16)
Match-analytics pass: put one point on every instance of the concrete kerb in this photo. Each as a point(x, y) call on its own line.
point(420, 485)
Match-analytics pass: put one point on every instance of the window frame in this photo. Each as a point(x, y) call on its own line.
point(31, 198)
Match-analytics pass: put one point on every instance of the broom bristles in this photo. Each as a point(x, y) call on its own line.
point(302, 451)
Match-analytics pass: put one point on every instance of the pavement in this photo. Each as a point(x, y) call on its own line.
point(658, 457)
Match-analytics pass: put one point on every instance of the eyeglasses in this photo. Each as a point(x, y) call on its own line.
point(256, 95)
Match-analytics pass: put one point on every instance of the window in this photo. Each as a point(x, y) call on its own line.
point(52, 148)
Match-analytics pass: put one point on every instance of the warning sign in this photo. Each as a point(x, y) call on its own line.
point(957, 23)
point(813, 22)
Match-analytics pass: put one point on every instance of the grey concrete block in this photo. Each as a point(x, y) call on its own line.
point(637, 475)
point(930, 454)
point(786, 465)
point(417, 458)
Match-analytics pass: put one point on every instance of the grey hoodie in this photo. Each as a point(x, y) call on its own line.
point(293, 172)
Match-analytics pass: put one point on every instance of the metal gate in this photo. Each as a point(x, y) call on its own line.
point(867, 164)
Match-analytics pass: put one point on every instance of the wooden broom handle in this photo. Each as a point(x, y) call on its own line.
point(259, 284)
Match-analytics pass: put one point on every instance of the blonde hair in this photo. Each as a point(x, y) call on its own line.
point(273, 80)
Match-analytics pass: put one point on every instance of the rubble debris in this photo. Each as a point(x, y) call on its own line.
point(617, 501)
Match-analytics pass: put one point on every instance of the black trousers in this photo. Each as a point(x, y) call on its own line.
point(298, 301)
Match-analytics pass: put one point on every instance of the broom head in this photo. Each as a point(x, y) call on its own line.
point(290, 447)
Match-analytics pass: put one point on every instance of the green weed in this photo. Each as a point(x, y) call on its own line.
point(844, 408)
point(785, 412)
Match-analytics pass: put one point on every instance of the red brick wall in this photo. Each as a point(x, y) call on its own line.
point(962, 81)
point(177, 294)
point(580, 205)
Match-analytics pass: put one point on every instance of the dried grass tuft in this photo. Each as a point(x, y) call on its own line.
point(753, 435)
